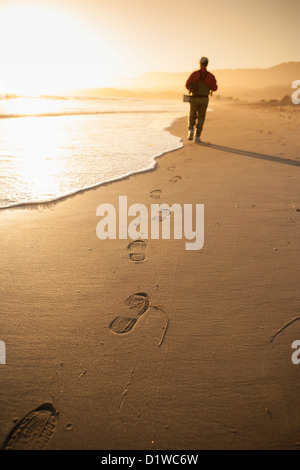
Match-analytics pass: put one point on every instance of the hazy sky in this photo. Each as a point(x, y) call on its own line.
point(171, 34)
point(94, 41)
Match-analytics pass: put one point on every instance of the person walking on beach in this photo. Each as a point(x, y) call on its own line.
point(200, 83)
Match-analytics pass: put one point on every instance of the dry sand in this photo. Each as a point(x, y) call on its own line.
point(217, 381)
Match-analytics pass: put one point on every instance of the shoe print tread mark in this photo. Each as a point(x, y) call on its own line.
point(137, 257)
point(137, 244)
point(175, 179)
point(34, 431)
point(138, 302)
point(122, 325)
point(156, 193)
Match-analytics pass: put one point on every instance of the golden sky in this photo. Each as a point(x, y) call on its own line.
point(50, 45)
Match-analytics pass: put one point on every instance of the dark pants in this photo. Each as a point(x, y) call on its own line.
point(198, 107)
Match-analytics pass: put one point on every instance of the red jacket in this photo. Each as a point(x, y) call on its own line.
point(210, 79)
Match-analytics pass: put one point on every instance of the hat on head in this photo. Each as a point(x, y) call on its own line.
point(204, 61)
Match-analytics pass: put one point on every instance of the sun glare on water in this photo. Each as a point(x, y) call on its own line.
point(44, 50)
point(48, 50)
point(36, 144)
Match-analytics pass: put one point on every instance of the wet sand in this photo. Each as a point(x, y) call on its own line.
point(200, 364)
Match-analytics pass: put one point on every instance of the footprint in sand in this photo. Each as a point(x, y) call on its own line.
point(138, 304)
point(34, 431)
point(175, 179)
point(171, 168)
point(156, 193)
point(136, 249)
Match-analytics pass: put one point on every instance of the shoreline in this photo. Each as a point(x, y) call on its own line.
point(216, 381)
point(28, 205)
point(225, 102)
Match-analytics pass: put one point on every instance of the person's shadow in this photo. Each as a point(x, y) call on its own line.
point(262, 156)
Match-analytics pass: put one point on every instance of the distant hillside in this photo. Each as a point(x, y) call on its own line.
point(246, 84)
point(256, 94)
point(279, 75)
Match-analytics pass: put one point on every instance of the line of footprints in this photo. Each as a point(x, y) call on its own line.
point(137, 247)
point(34, 431)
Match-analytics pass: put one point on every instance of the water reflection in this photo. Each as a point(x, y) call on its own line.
point(35, 144)
point(44, 158)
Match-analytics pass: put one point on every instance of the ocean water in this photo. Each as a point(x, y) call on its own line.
point(50, 148)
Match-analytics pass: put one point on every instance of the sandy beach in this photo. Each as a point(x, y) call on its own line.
point(207, 362)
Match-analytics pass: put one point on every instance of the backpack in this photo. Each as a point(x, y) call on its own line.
point(200, 88)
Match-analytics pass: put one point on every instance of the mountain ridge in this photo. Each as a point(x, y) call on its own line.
point(278, 75)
